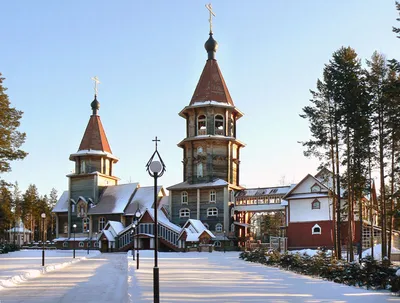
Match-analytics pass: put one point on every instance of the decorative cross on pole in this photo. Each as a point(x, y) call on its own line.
point(96, 82)
point(156, 140)
point(209, 7)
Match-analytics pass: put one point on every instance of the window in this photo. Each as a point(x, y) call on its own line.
point(96, 244)
point(206, 225)
point(102, 223)
point(199, 170)
point(232, 212)
point(65, 244)
point(315, 188)
point(213, 196)
point(184, 213)
point(212, 212)
point(184, 197)
point(316, 204)
point(316, 230)
point(219, 125)
point(201, 125)
point(65, 227)
point(83, 166)
point(217, 244)
point(199, 150)
point(218, 227)
point(85, 225)
point(81, 244)
point(232, 227)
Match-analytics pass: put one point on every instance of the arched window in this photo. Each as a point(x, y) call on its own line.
point(65, 227)
point(184, 197)
point(212, 212)
point(316, 230)
point(201, 125)
point(232, 227)
point(232, 212)
point(219, 125)
point(206, 225)
point(65, 244)
point(217, 244)
point(83, 166)
point(184, 213)
point(102, 223)
point(315, 188)
point(85, 225)
point(199, 150)
point(316, 204)
point(199, 170)
point(218, 227)
point(213, 196)
point(81, 244)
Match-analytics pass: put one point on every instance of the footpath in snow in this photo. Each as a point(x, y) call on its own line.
point(223, 277)
point(19, 266)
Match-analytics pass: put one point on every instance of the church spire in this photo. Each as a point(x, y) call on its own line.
point(211, 45)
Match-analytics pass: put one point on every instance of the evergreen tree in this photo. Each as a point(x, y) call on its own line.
point(396, 29)
point(10, 138)
point(30, 210)
point(6, 214)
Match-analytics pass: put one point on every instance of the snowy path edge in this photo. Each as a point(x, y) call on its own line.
point(15, 280)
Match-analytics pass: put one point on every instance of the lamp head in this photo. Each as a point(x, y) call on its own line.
point(74, 226)
point(138, 213)
point(155, 167)
point(43, 215)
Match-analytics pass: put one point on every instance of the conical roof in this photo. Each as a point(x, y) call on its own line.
point(95, 137)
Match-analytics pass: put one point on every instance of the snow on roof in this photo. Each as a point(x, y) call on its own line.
point(260, 207)
point(62, 203)
point(162, 219)
point(19, 230)
point(197, 224)
point(186, 185)
point(264, 191)
point(91, 152)
point(108, 235)
point(307, 196)
point(192, 237)
point(114, 199)
point(164, 202)
point(143, 198)
point(116, 226)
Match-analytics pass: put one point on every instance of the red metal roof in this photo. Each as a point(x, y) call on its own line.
point(211, 85)
point(95, 137)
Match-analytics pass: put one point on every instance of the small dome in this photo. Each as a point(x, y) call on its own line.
point(95, 104)
point(211, 47)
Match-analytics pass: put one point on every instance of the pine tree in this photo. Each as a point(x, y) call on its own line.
point(30, 212)
point(10, 138)
point(396, 29)
point(6, 214)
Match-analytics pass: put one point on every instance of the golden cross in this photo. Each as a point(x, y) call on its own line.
point(96, 82)
point(209, 7)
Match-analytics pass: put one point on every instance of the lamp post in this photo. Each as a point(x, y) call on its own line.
point(133, 241)
point(43, 215)
point(74, 226)
point(95, 234)
point(224, 240)
point(156, 169)
point(89, 240)
point(138, 214)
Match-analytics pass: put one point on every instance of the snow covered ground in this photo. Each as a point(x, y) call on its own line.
point(19, 266)
point(184, 278)
point(223, 277)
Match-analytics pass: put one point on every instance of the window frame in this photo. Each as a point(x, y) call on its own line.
point(219, 227)
point(313, 232)
point(102, 222)
point(199, 170)
point(221, 120)
point(184, 197)
point(201, 125)
point(212, 196)
point(315, 203)
point(185, 211)
point(212, 212)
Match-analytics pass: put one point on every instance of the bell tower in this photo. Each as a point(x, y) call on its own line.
point(210, 149)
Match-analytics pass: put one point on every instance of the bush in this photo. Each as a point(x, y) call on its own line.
point(370, 273)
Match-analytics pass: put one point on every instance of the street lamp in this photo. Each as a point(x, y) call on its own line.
point(133, 241)
point(43, 215)
point(224, 240)
point(156, 169)
point(89, 240)
point(138, 214)
point(95, 234)
point(74, 226)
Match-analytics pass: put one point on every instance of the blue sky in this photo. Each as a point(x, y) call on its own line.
point(149, 56)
